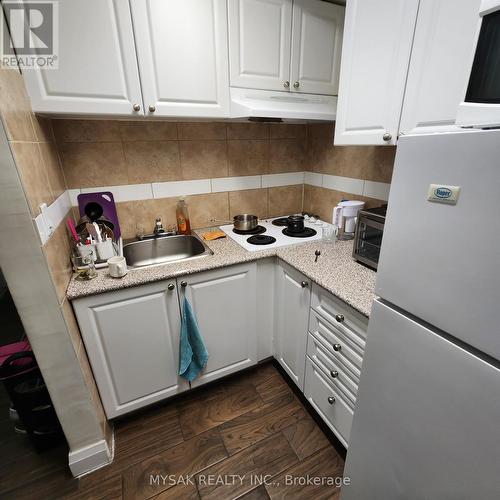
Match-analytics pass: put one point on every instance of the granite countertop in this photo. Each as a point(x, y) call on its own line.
point(335, 270)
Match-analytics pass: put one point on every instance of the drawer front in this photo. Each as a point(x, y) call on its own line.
point(338, 344)
point(345, 318)
point(334, 370)
point(335, 412)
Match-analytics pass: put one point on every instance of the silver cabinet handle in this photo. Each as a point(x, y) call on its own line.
point(171, 286)
point(296, 85)
point(334, 373)
point(136, 107)
point(286, 84)
point(337, 347)
point(331, 399)
point(387, 137)
point(184, 284)
point(304, 284)
point(340, 318)
point(152, 109)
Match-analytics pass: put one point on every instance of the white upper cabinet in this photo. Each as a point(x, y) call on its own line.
point(316, 47)
point(183, 56)
point(259, 41)
point(97, 71)
point(375, 58)
point(285, 45)
point(439, 71)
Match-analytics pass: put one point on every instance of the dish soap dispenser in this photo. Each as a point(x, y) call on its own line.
point(182, 216)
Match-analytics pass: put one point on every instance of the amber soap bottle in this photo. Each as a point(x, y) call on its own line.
point(182, 216)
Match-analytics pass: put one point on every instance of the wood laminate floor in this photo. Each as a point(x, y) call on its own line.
point(247, 437)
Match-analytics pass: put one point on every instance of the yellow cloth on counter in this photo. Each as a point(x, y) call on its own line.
point(213, 235)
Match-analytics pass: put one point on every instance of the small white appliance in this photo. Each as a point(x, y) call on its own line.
point(345, 217)
point(270, 233)
point(481, 106)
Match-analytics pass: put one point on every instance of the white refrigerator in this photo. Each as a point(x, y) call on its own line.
point(427, 422)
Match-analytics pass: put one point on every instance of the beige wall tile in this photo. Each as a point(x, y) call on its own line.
point(43, 128)
point(148, 131)
point(287, 131)
point(204, 207)
point(248, 157)
point(86, 130)
point(152, 161)
point(15, 106)
point(93, 164)
point(323, 130)
point(72, 325)
point(33, 175)
point(285, 200)
point(57, 252)
point(287, 155)
point(203, 159)
point(249, 201)
point(201, 130)
point(53, 168)
point(248, 130)
point(380, 165)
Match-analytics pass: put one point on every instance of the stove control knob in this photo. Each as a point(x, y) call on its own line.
point(331, 400)
point(337, 347)
point(305, 284)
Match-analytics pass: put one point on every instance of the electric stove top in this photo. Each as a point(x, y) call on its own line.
point(275, 235)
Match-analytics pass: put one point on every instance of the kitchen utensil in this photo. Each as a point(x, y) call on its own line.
point(117, 266)
point(345, 216)
point(106, 201)
point(245, 222)
point(295, 223)
point(93, 210)
point(72, 229)
point(97, 232)
point(91, 230)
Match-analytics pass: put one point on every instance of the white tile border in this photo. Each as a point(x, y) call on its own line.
point(51, 216)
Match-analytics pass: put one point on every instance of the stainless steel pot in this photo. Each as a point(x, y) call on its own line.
point(245, 222)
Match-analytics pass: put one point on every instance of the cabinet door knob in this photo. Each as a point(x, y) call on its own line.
point(152, 109)
point(136, 107)
point(171, 286)
point(286, 84)
point(331, 399)
point(304, 284)
point(337, 347)
point(387, 137)
point(340, 318)
point(334, 373)
point(296, 85)
point(184, 284)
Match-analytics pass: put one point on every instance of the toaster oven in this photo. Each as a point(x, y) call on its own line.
point(368, 236)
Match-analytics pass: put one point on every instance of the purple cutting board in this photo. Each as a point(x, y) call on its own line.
point(107, 202)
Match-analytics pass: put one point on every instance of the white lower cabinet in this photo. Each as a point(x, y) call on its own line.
point(225, 304)
point(293, 297)
point(132, 341)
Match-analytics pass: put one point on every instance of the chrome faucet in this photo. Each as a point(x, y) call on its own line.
point(158, 231)
point(158, 227)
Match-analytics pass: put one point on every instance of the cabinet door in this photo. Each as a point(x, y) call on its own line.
point(132, 340)
point(316, 47)
point(225, 304)
point(259, 43)
point(375, 58)
point(183, 57)
point(440, 62)
point(293, 294)
point(97, 72)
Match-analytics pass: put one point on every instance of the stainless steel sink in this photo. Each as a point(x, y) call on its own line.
point(164, 249)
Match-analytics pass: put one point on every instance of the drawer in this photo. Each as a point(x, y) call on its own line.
point(345, 318)
point(334, 370)
point(327, 402)
point(340, 346)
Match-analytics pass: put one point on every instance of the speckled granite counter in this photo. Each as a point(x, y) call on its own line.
point(334, 271)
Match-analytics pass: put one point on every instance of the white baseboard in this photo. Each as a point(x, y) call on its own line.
point(89, 458)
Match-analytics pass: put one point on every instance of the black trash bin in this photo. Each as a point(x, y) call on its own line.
point(29, 396)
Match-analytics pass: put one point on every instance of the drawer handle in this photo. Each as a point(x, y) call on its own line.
point(331, 399)
point(337, 347)
point(184, 284)
point(171, 286)
point(334, 373)
point(340, 318)
point(304, 284)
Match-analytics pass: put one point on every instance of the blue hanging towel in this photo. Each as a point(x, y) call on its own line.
point(193, 354)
